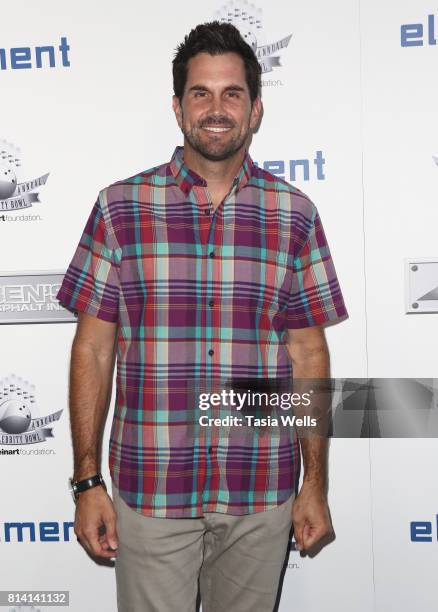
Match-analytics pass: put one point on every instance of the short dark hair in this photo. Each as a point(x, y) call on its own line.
point(215, 38)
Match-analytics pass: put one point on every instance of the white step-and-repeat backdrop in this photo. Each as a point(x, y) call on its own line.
point(350, 97)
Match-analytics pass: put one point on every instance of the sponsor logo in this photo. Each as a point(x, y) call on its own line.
point(248, 20)
point(424, 531)
point(44, 56)
point(421, 285)
point(297, 169)
point(16, 195)
point(30, 297)
point(18, 423)
point(418, 34)
point(44, 531)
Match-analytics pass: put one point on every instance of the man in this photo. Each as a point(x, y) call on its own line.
point(197, 270)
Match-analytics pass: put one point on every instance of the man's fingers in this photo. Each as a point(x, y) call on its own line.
point(92, 538)
point(110, 532)
point(313, 534)
point(310, 536)
point(95, 523)
point(298, 534)
point(96, 548)
point(83, 541)
point(94, 544)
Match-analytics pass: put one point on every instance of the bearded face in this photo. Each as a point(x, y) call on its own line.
point(216, 115)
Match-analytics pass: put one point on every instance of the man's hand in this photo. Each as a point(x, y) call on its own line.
point(95, 522)
point(310, 516)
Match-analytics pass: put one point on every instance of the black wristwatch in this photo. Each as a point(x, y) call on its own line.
point(79, 486)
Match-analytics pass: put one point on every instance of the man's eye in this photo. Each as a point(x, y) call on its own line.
point(199, 93)
point(233, 94)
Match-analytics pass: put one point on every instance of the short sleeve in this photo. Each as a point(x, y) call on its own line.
point(315, 296)
point(91, 283)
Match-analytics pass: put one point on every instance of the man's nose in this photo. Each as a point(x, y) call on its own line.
point(216, 106)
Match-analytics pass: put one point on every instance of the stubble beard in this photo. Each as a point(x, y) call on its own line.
point(214, 150)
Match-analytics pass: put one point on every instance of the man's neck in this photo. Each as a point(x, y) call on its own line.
point(218, 174)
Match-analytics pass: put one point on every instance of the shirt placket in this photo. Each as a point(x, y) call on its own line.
point(210, 230)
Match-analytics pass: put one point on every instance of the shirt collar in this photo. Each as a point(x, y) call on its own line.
point(186, 178)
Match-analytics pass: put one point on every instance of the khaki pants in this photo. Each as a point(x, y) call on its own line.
point(238, 560)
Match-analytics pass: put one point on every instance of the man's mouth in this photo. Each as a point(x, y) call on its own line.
point(216, 129)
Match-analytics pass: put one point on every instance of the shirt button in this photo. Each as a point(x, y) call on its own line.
point(211, 253)
point(211, 303)
point(211, 352)
point(210, 449)
point(206, 211)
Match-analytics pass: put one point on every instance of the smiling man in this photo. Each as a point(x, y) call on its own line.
point(203, 268)
point(216, 108)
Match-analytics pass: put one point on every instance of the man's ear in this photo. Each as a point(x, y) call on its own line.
point(177, 110)
point(256, 112)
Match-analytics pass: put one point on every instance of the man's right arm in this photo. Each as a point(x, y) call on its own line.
point(91, 375)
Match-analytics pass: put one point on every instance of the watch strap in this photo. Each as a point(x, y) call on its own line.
point(79, 486)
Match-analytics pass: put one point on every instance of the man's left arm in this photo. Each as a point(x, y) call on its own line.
point(307, 348)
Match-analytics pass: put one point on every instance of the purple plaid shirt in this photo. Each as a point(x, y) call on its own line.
point(200, 296)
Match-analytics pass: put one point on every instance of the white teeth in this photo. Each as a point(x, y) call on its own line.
point(217, 129)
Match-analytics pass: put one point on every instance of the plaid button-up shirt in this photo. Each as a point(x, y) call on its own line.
point(200, 295)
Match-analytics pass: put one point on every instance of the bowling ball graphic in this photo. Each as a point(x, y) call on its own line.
point(8, 182)
point(15, 416)
point(249, 38)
